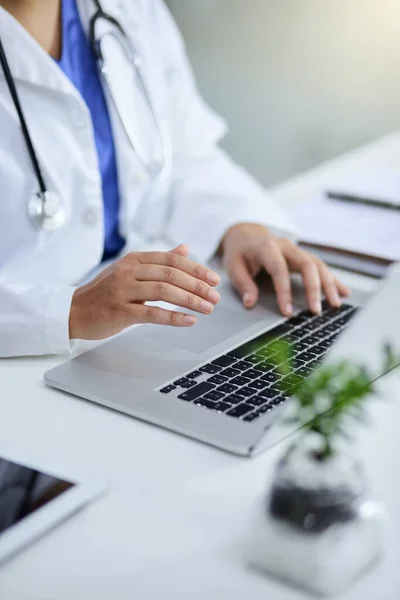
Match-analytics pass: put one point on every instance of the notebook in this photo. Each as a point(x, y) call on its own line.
point(354, 236)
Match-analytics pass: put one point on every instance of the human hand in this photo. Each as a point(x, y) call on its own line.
point(248, 248)
point(116, 298)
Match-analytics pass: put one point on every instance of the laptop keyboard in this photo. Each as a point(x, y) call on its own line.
point(244, 384)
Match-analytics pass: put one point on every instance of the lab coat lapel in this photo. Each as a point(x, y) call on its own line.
point(137, 192)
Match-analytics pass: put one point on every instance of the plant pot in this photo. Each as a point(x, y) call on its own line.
point(317, 528)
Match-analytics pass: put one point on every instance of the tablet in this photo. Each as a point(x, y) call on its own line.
point(34, 500)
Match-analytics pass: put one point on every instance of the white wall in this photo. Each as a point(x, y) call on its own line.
point(299, 81)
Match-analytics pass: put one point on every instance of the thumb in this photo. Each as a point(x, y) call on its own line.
point(182, 250)
point(242, 281)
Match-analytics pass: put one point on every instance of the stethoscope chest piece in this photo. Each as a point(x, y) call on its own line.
point(47, 211)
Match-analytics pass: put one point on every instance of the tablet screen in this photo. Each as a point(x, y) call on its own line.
point(24, 490)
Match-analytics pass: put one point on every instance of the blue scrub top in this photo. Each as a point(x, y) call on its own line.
point(79, 65)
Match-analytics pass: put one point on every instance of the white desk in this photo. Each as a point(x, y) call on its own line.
point(170, 526)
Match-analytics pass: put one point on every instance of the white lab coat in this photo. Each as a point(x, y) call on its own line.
point(205, 194)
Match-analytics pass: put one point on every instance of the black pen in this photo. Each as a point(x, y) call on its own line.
point(363, 200)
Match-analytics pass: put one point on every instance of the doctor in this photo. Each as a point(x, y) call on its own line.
point(96, 166)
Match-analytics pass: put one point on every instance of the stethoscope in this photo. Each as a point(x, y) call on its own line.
point(46, 209)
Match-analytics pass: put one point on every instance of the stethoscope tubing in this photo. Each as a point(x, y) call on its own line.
point(41, 206)
point(24, 126)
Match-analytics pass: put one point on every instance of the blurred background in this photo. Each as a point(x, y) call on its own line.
point(299, 81)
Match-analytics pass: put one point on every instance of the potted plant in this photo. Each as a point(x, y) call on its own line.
point(318, 527)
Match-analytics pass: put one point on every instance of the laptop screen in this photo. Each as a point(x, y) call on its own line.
point(24, 490)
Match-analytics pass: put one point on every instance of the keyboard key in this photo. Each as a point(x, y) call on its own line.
point(252, 373)
point(194, 374)
point(321, 321)
point(168, 389)
point(230, 372)
point(257, 384)
point(214, 396)
point(318, 350)
point(263, 352)
point(307, 314)
point(227, 388)
point(185, 383)
point(296, 335)
point(305, 357)
point(196, 391)
point(205, 403)
point(254, 359)
point(326, 344)
point(210, 369)
point(310, 340)
point(342, 322)
point(233, 399)
point(251, 417)
point(243, 366)
point(271, 377)
point(307, 328)
point(246, 392)
point(304, 372)
point(218, 379)
point(281, 329)
point(333, 328)
point(299, 362)
point(223, 361)
point(297, 320)
point(240, 410)
point(269, 393)
point(278, 400)
point(292, 382)
point(313, 364)
point(251, 347)
point(263, 409)
point(267, 366)
point(302, 346)
point(221, 406)
point(240, 380)
point(320, 335)
point(257, 401)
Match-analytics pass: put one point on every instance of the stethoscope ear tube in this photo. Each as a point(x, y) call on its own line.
point(100, 14)
point(25, 131)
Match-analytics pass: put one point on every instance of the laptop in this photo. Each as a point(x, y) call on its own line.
point(213, 382)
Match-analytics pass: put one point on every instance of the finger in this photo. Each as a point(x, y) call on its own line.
point(177, 278)
point(242, 280)
point(312, 284)
point(275, 264)
point(344, 290)
point(182, 250)
point(176, 261)
point(329, 285)
point(161, 316)
point(302, 262)
point(158, 291)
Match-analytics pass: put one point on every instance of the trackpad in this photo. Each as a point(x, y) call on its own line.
point(208, 331)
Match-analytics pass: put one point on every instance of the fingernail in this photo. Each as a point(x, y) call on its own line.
point(317, 307)
point(213, 277)
point(189, 319)
point(289, 309)
point(248, 299)
point(206, 306)
point(214, 296)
